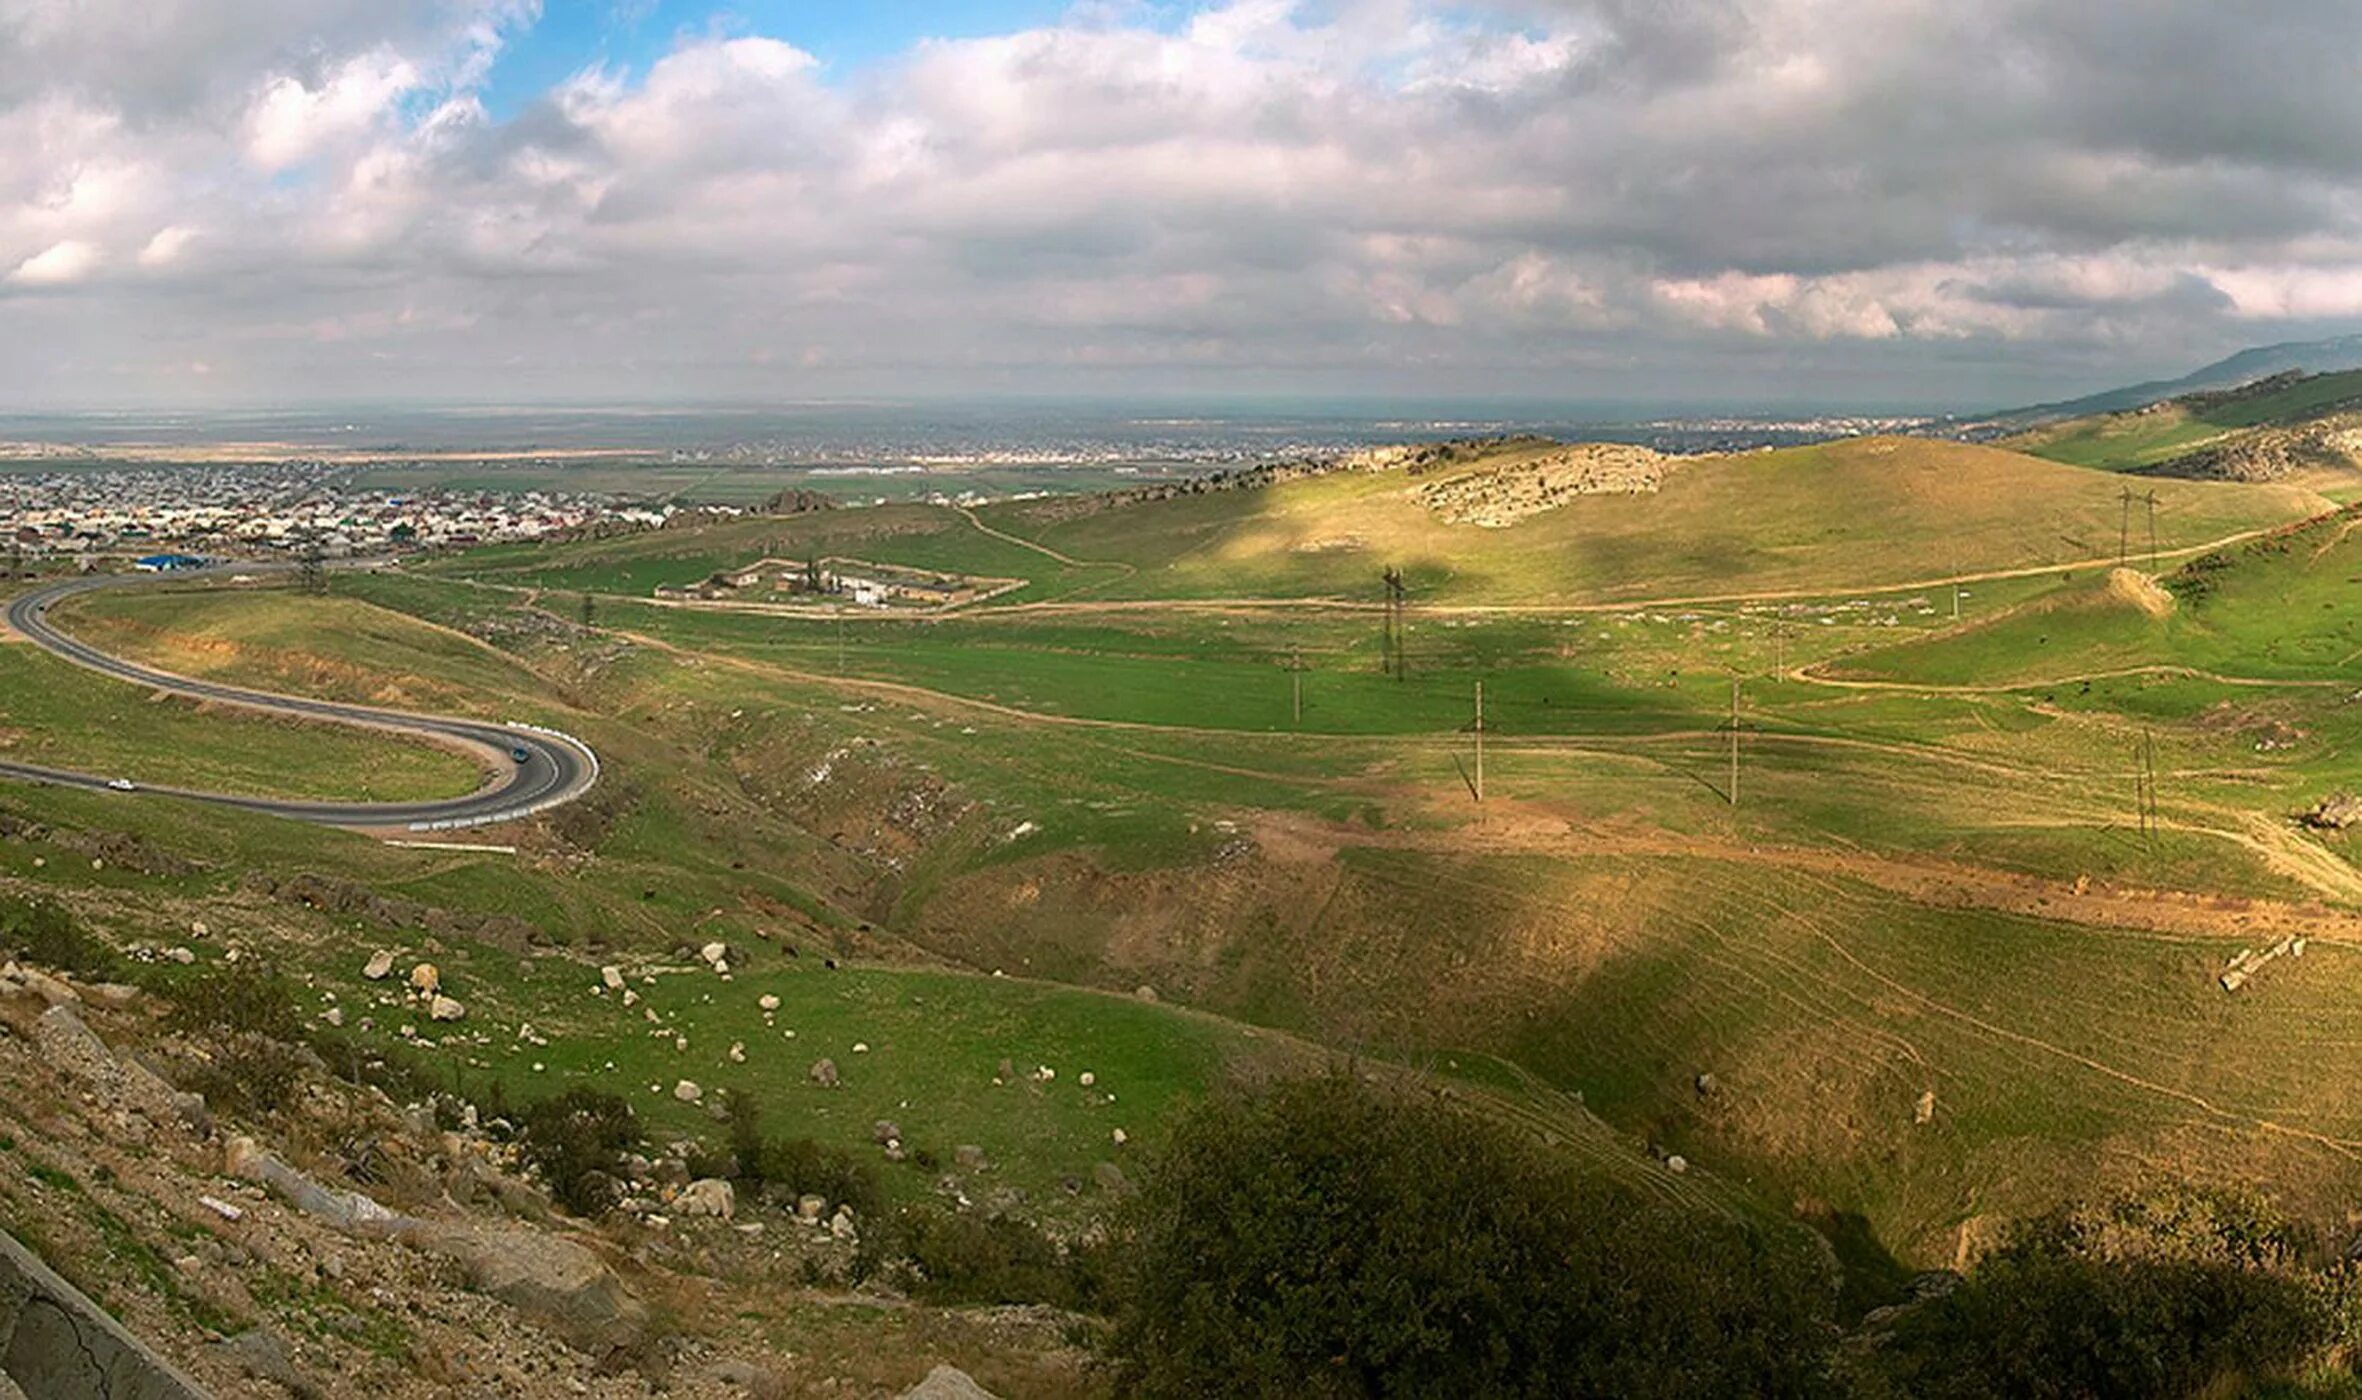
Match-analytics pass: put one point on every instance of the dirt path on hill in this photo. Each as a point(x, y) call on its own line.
point(2171, 915)
point(1814, 675)
point(1776, 595)
point(1042, 549)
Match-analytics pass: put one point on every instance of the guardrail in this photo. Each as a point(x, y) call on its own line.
point(515, 814)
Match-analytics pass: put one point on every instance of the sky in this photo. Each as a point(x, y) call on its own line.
point(1875, 203)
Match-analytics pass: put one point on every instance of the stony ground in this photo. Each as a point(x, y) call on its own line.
point(343, 1244)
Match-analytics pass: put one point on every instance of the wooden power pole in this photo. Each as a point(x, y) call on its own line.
point(1480, 741)
point(1734, 741)
point(1296, 683)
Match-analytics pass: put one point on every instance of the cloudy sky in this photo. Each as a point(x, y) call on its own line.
point(1825, 201)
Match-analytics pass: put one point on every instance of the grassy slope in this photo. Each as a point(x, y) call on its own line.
point(59, 715)
point(1827, 1006)
point(1858, 514)
point(2115, 441)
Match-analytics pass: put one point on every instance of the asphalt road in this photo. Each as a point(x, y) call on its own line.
point(556, 769)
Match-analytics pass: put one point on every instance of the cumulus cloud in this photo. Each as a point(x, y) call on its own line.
point(1948, 198)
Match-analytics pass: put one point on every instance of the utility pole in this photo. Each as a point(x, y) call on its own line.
point(2124, 532)
point(1480, 741)
point(1296, 682)
point(2152, 500)
point(1734, 741)
point(1395, 594)
point(840, 644)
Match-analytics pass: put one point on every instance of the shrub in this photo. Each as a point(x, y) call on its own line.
point(950, 1257)
point(2179, 1295)
point(1322, 1238)
point(237, 999)
point(42, 932)
point(246, 1073)
point(803, 1167)
point(577, 1140)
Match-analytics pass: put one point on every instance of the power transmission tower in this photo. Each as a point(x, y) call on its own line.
point(311, 572)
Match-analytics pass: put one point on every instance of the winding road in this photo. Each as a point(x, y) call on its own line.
point(555, 768)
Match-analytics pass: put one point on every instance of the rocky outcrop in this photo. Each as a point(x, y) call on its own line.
point(1501, 496)
point(56, 1343)
point(947, 1383)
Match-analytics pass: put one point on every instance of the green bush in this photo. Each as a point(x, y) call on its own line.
point(944, 1256)
point(41, 932)
point(1323, 1238)
point(2179, 1295)
point(577, 1140)
point(234, 999)
point(246, 1073)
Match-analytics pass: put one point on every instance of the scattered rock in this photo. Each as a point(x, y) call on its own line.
point(444, 1008)
point(184, 956)
point(885, 1130)
point(262, 1354)
point(1677, 1164)
point(1706, 1085)
point(1111, 1178)
point(687, 1091)
point(1119, 1137)
point(840, 1225)
point(824, 1074)
point(737, 1052)
point(426, 978)
point(969, 1156)
point(2335, 813)
point(947, 1383)
point(611, 978)
point(1086, 1079)
point(554, 1281)
point(1925, 1111)
point(380, 965)
point(768, 1002)
point(1144, 992)
point(708, 1196)
point(714, 952)
point(808, 1208)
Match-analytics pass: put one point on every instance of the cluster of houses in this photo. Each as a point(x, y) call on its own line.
point(854, 581)
point(188, 512)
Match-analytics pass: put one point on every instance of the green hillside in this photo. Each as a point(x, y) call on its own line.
point(1855, 514)
point(2160, 433)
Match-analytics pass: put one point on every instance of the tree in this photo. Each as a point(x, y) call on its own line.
point(1324, 1238)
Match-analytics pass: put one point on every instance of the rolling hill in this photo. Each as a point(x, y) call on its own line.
point(2293, 427)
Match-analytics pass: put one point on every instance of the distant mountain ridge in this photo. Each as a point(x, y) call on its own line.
point(2257, 362)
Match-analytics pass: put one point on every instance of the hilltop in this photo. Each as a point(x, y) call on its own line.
point(1510, 523)
point(2245, 367)
point(2292, 427)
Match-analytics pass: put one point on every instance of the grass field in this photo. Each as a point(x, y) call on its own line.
point(1935, 880)
point(57, 715)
